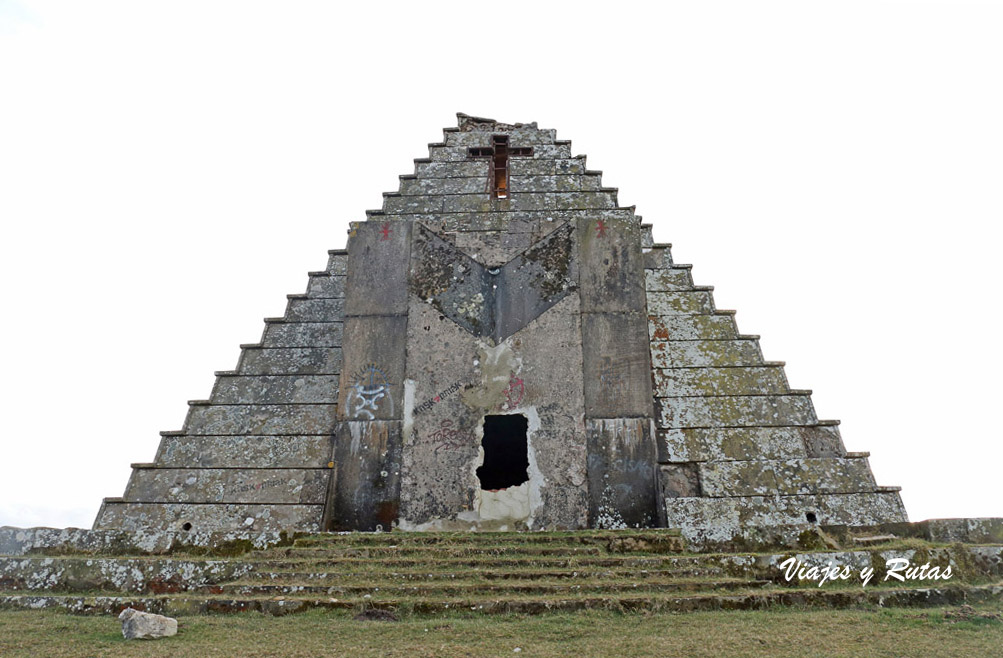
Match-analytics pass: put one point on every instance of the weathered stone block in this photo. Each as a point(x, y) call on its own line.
point(705, 520)
point(315, 310)
point(261, 419)
point(467, 169)
point(425, 186)
point(680, 303)
point(621, 471)
point(680, 480)
point(570, 166)
point(703, 353)
point(368, 455)
point(326, 286)
point(741, 443)
point(750, 380)
point(228, 485)
point(611, 273)
point(647, 237)
point(559, 200)
point(531, 167)
point(665, 279)
point(692, 327)
point(379, 253)
point(658, 257)
point(311, 451)
point(824, 442)
point(616, 365)
point(735, 411)
point(416, 204)
point(303, 334)
point(276, 389)
point(555, 183)
point(290, 361)
point(89, 572)
point(337, 263)
point(215, 517)
point(787, 477)
point(518, 138)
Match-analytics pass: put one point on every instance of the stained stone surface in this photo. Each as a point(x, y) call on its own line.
point(137, 625)
point(364, 405)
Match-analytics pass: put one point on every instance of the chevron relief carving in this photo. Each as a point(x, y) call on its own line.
point(493, 302)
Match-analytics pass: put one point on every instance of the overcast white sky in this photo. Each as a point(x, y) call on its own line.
point(170, 171)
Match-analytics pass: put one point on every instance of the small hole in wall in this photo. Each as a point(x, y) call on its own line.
point(186, 526)
point(812, 518)
point(506, 454)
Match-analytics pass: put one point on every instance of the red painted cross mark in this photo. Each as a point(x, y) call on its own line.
point(600, 229)
point(385, 232)
point(499, 153)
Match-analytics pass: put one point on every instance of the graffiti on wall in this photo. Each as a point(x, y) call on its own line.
point(514, 393)
point(258, 486)
point(368, 392)
point(448, 438)
point(431, 402)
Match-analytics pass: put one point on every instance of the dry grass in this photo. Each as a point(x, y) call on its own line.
point(774, 633)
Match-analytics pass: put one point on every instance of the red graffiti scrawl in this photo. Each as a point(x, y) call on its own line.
point(514, 393)
point(600, 229)
point(385, 232)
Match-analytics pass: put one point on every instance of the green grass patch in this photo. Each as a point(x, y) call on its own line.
point(774, 633)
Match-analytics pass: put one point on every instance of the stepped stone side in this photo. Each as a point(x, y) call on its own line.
point(739, 451)
point(257, 455)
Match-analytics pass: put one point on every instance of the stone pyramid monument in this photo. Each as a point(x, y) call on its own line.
point(502, 346)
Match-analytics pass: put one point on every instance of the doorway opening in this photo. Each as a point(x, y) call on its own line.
point(506, 452)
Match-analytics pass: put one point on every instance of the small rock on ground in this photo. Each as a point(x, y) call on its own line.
point(137, 625)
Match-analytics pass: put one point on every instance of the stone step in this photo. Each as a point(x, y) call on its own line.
point(439, 564)
point(292, 577)
point(480, 589)
point(764, 599)
point(716, 381)
point(262, 419)
point(735, 411)
point(677, 353)
point(618, 537)
point(394, 552)
point(290, 361)
point(692, 327)
point(302, 334)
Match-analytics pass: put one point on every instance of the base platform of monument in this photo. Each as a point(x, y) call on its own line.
point(423, 573)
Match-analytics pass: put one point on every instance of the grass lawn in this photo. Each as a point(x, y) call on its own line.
point(974, 633)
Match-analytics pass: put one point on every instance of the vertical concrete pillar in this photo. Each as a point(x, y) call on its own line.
point(619, 408)
point(367, 448)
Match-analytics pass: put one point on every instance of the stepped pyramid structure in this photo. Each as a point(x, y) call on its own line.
point(502, 346)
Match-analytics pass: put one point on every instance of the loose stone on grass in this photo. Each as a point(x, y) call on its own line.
point(138, 625)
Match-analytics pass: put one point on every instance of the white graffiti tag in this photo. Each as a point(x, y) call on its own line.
point(369, 389)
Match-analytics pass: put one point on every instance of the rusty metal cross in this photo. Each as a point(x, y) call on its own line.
point(499, 152)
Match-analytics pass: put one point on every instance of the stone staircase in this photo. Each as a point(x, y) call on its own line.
point(487, 572)
point(741, 452)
